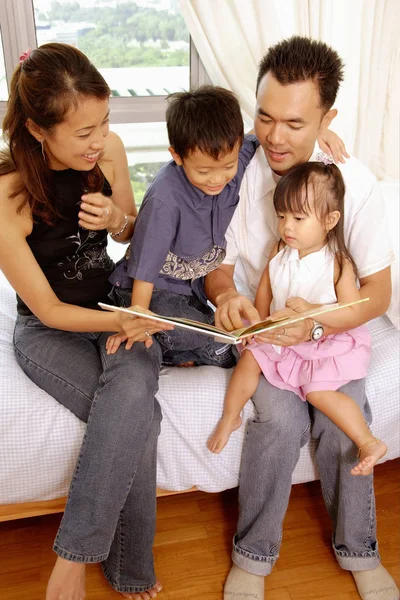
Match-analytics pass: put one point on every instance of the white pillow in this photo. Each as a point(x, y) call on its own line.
point(391, 194)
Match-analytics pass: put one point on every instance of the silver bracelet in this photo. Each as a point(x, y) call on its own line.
point(124, 226)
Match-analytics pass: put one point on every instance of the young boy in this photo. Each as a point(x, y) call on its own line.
point(179, 233)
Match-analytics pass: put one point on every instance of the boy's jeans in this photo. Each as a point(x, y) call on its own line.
point(271, 452)
point(111, 508)
point(183, 345)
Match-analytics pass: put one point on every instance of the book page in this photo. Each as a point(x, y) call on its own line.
point(269, 324)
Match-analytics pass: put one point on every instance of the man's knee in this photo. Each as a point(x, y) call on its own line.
point(338, 440)
point(281, 411)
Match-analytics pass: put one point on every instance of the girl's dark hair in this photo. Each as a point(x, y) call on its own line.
point(208, 119)
point(44, 87)
point(300, 59)
point(328, 191)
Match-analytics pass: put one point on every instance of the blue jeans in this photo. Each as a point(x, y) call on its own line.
point(111, 508)
point(271, 451)
point(183, 345)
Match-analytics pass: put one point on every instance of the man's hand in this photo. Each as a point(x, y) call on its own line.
point(232, 309)
point(289, 335)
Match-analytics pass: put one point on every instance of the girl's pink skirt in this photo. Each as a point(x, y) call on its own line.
point(327, 364)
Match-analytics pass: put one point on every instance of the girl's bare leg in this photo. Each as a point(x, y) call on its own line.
point(346, 414)
point(242, 386)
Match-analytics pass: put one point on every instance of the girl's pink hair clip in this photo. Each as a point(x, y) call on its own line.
point(324, 158)
point(25, 55)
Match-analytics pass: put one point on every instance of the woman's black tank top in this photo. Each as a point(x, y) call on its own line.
point(74, 260)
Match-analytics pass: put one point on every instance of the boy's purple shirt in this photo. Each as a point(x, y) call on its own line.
point(177, 217)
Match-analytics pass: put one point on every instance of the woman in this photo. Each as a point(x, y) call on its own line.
point(64, 183)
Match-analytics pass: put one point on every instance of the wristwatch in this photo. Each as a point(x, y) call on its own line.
point(317, 331)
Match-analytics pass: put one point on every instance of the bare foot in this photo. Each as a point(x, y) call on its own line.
point(151, 593)
point(186, 364)
point(218, 440)
point(67, 581)
point(369, 457)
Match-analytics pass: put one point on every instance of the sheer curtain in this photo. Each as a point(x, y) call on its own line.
point(231, 37)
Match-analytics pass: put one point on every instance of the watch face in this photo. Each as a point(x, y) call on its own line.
point(317, 333)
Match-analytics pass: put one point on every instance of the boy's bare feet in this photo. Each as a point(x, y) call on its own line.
point(186, 365)
point(67, 581)
point(151, 593)
point(218, 440)
point(369, 456)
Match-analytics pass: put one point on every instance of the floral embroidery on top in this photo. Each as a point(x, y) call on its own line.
point(87, 256)
point(193, 268)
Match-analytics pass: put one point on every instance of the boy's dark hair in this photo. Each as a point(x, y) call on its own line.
point(299, 59)
point(326, 181)
point(207, 119)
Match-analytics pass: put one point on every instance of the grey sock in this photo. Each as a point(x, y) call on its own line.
point(376, 584)
point(241, 585)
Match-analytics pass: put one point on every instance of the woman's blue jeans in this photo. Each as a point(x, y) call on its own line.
point(111, 508)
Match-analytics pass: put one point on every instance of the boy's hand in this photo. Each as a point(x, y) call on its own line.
point(135, 329)
point(330, 143)
point(299, 305)
point(114, 341)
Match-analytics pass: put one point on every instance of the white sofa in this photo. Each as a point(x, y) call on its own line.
point(40, 439)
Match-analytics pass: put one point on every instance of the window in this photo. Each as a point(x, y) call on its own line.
point(146, 146)
point(142, 48)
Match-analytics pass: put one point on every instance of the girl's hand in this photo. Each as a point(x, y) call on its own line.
point(99, 212)
point(299, 305)
point(330, 143)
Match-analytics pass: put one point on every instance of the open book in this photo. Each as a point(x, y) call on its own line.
point(233, 337)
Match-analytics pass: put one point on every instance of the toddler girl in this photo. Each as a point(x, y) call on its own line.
point(309, 266)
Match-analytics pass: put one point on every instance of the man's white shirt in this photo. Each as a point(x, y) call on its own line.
point(253, 230)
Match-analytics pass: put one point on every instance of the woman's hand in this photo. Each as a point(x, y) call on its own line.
point(330, 143)
point(135, 329)
point(99, 212)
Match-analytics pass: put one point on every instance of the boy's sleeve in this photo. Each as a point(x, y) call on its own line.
point(247, 151)
point(154, 232)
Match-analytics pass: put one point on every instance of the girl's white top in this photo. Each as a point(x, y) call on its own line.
point(310, 278)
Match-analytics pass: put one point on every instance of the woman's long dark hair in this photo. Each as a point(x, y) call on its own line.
point(44, 88)
point(326, 181)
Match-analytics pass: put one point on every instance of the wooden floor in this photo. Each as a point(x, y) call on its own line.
point(193, 543)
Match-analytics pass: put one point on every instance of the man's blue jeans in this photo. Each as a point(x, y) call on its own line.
point(271, 451)
point(111, 508)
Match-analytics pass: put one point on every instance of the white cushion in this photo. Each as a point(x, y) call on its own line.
point(40, 439)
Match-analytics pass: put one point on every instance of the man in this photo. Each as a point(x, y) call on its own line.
point(296, 88)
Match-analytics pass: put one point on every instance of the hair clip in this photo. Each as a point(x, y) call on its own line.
point(25, 55)
point(327, 159)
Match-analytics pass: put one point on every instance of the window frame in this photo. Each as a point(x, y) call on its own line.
point(17, 24)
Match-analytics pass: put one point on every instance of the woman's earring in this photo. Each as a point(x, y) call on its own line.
point(43, 154)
